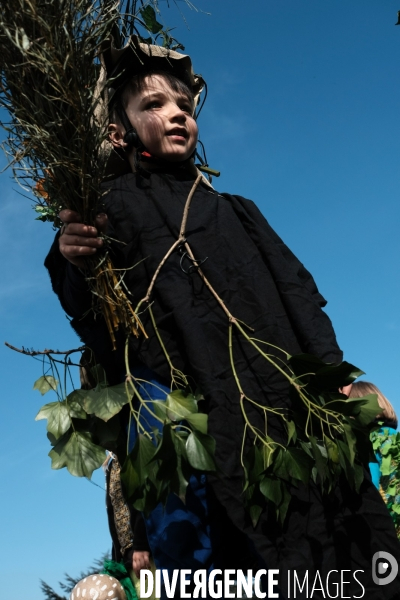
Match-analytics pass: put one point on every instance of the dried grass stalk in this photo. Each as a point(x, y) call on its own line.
point(52, 87)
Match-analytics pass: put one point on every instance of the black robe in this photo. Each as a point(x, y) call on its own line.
point(264, 285)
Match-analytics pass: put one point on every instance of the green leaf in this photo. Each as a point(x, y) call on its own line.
point(346, 406)
point(149, 17)
point(291, 427)
point(351, 441)
point(166, 449)
point(326, 376)
point(136, 466)
point(45, 383)
point(333, 377)
point(106, 434)
point(198, 422)
point(332, 450)
point(180, 405)
point(105, 402)
point(369, 410)
point(254, 465)
point(305, 363)
point(58, 419)
point(320, 462)
point(358, 477)
point(76, 451)
point(271, 489)
point(386, 465)
point(391, 490)
point(255, 502)
point(200, 450)
point(298, 464)
point(167, 455)
point(283, 508)
point(160, 409)
point(181, 477)
point(268, 453)
point(255, 512)
point(278, 465)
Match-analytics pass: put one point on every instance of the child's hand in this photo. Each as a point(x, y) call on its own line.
point(78, 240)
point(140, 560)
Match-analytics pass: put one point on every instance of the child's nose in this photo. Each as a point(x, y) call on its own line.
point(177, 113)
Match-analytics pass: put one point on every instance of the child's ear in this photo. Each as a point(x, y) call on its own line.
point(116, 136)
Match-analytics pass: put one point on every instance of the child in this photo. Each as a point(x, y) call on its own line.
point(261, 283)
point(384, 473)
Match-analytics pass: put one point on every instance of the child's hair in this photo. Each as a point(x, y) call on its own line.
point(138, 82)
point(361, 388)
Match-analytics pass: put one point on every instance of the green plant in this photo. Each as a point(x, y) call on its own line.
point(387, 447)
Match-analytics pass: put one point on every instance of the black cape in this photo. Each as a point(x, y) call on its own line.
point(264, 285)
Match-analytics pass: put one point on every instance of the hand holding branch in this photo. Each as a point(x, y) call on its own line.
point(78, 240)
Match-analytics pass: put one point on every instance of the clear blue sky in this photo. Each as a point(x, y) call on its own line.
point(303, 118)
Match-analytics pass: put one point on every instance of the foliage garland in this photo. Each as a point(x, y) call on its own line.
point(327, 433)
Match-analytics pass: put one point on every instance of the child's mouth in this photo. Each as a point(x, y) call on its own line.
point(179, 134)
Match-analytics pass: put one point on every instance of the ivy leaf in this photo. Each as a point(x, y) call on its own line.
point(166, 454)
point(200, 450)
point(76, 451)
point(291, 427)
point(181, 478)
point(180, 405)
point(198, 421)
point(331, 377)
point(160, 409)
point(358, 477)
point(320, 462)
point(346, 406)
point(305, 363)
point(106, 434)
point(344, 460)
point(324, 376)
point(254, 465)
point(105, 402)
point(284, 505)
point(45, 383)
point(149, 17)
point(255, 512)
point(135, 468)
point(58, 419)
point(351, 442)
point(369, 410)
point(271, 489)
point(332, 450)
point(268, 453)
point(298, 464)
point(255, 503)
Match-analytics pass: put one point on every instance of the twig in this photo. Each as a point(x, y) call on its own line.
point(180, 240)
point(45, 352)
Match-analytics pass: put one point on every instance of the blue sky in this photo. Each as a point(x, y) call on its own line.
point(302, 117)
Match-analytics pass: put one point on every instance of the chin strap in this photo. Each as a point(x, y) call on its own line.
point(131, 137)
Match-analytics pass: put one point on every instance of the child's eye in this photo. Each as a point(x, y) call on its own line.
point(187, 108)
point(153, 104)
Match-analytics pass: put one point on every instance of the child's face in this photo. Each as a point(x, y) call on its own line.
point(163, 119)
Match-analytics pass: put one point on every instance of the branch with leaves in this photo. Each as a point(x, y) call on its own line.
point(54, 90)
